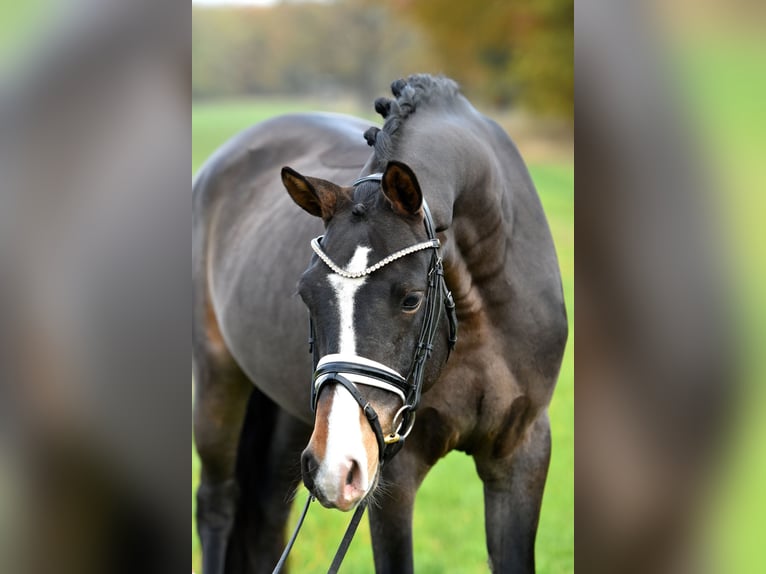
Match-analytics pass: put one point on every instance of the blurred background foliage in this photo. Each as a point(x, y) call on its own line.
point(506, 55)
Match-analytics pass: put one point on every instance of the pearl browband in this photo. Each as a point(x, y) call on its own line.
point(316, 245)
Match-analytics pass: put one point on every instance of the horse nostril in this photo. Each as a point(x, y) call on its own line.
point(309, 466)
point(354, 474)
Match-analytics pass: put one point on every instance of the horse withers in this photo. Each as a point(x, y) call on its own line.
point(442, 209)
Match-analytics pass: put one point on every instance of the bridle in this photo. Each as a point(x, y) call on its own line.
point(351, 370)
point(347, 371)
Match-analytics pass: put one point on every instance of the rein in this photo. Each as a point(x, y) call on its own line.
point(350, 370)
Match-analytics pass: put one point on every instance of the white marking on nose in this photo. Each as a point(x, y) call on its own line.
point(344, 444)
point(344, 433)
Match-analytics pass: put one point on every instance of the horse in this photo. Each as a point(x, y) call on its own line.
point(391, 249)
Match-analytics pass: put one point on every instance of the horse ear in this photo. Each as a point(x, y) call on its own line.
point(401, 188)
point(316, 196)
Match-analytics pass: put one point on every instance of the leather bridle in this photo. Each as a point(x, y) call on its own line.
point(348, 371)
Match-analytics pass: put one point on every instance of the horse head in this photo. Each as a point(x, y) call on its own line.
point(374, 292)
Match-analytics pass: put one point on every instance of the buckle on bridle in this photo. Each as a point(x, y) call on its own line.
point(397, 436)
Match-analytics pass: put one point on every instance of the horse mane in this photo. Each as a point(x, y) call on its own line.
point(417, 91)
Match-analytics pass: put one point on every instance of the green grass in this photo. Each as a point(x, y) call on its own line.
point(449, 515)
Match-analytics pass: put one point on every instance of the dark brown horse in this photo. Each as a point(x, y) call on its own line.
point(253, 416)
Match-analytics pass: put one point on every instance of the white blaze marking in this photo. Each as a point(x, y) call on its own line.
point(345, 293)
point(344, 433)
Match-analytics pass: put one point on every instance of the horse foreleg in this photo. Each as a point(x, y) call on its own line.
point(391, 514)
point(219, 408)
point(513, 493)
point(391, 531)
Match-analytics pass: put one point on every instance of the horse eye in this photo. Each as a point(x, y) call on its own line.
point(412, 301)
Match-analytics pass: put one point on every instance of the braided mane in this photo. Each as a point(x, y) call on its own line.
point(415, 92)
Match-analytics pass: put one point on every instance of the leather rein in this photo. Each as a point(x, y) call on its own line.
point(349, 371)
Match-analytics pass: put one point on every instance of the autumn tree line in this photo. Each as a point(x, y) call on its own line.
point(505, 53)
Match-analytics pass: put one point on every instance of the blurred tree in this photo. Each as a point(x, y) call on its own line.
point(509, 53)
point(303, 48)
point(516, 52)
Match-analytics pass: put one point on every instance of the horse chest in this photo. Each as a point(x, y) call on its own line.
point(474, 398)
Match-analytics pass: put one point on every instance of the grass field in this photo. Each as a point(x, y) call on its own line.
point(448, 524)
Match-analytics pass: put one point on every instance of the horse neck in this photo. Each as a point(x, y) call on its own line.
point(452, 153)
point(476, 245)
point(466, 191)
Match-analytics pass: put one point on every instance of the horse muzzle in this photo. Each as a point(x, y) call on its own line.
point(342, 487)
point(343, 458)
